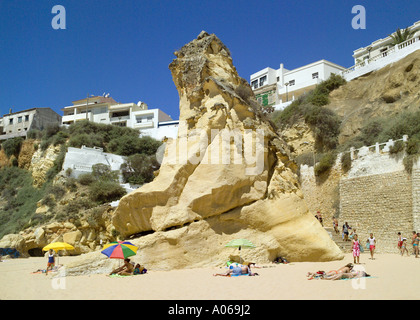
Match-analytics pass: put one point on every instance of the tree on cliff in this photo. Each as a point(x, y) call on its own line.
point(400, 36)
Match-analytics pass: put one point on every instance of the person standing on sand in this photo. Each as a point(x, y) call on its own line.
point(415, 243)
point(372, 245)
point(400, 242)
point(356, 249)
point(51, 260)
point(404, 247)
point(346, 231)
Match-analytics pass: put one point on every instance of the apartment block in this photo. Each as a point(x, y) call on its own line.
point(17, 124)
point(278, 87)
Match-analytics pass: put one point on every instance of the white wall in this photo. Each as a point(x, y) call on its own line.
point(359, 70)
point(82, 160)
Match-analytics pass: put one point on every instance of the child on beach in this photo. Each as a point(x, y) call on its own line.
point(372, 243)
point(356, 249)
point(138, 269)
point(400, 242)
point(404, 247)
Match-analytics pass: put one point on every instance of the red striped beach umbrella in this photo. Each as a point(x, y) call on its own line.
point(119, 250)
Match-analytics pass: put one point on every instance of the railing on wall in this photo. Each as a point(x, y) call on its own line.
point(387, 53)
point(377, 148)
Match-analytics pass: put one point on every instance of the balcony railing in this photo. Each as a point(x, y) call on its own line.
point(117, 119)
point(388, 53)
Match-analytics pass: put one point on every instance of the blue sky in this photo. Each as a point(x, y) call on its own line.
point(124, 47)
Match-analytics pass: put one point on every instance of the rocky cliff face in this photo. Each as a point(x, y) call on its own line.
point(227, 176)
point(383, 93)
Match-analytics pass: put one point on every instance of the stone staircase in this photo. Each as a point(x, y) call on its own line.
point(345, 246)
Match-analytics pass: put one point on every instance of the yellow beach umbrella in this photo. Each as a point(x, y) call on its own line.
point(57, 246)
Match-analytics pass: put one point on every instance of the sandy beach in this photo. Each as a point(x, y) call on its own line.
point(393, 277)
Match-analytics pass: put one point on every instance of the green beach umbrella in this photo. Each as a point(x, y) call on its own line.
point(240, 243)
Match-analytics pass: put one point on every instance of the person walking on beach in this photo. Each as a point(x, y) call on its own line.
point(346, 231)
point(335, 225)
point(51, 260)
point(400, 242)
point(356, 249)
point(372, 244)
point(415, 242)
point(404, 247)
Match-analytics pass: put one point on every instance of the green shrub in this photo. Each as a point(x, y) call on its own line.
point(409, 161)
point(346, 161)
point(325, 164)
point(106, 191)
point(326, 126)
point(129, 145)
point(397, 147)
point(139, 168)
point(34, 134)
point(88, 140)
point(324, 122)
point(371, 131)
point(12, 146)
point(102, 171)
point(307, 158)
point(58, 163)
point(86, 179)
point(20, 199)
point(413, 146)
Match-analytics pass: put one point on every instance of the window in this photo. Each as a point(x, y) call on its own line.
point(11, 121)
point(254, 84)
point(315, 75)
point(278, 79)
point(27, 117)
point(19, 119)
point(291, 82)
point(263, 80)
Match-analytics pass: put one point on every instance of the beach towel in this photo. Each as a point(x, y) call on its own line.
point(119, 275)
point(357, 278)
point(238, 274)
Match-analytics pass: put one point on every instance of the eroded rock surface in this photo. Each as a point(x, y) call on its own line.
point(227, 176)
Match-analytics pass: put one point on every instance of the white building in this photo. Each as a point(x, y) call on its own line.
point(18, 124)
point(107, 111)
point(381, 53)
point(81, 160)
point(278, 87)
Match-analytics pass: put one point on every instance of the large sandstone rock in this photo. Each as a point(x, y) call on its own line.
point(227, 175)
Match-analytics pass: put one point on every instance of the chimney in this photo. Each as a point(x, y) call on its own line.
point(10, 110)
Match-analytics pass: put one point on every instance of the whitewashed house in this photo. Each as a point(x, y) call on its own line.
point(382, 52)
point(279, 87)
point(104, 109)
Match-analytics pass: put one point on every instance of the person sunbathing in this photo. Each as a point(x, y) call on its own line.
point(238, 270)
point(347, 275)
point(346, 269)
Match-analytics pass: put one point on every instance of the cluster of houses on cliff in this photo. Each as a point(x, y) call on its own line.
point(272, 87)
point(99, 109)
point(279, 87)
